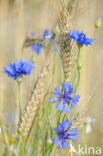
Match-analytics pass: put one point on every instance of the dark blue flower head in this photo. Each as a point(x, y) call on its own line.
point(64, 97)
point(37, 48)
point(18, 69)
point(64, 134)
point(80, 38)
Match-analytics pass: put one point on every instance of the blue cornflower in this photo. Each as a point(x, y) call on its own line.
point(18, 69)
point(45, 33)
point(64, 97)
point(37, 48)
point(48, 36)
point(64, 134)
point(80, 38)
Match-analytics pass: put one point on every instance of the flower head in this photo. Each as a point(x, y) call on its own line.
point(64, 97)
point(48, 36)
point(37, 48)
point(18, 69)
point(64, 134)
point(45, 33)
point(80, 38)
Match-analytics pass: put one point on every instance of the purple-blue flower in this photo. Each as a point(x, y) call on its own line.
point(46, 33)
point(48, 36)
point(64, 97)
point(18, 69)
point(64, 134)
point(37, 48)
point(80, 38)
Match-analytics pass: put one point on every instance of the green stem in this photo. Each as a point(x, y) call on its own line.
point(74, 77)
point(19, 99)
point(95, 32)
point(78, 80)
point(54, 59)
point(78, 69)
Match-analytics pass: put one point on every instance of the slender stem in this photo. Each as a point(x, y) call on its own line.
point(19, 99)
point(78, 69)
point(54, 59)
point(95, 32)
point(74, 77)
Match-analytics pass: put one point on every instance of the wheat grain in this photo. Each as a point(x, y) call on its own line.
point(67, 46)
point(28, 118)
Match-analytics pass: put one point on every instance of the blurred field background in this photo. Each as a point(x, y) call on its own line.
point(18, 18)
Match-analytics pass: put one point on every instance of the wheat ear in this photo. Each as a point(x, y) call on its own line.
point(28, 118)
point(67, 46)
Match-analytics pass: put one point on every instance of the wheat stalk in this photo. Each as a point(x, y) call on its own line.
point(28, 118)
point(67, 46)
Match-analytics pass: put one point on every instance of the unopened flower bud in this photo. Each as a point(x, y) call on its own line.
point(32, 60)
point(56, 30)
point(19, 79)
point(79, 66)
point(98, 23)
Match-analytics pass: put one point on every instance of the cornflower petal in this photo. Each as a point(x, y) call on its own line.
point(56, 91)
point(54, 99)
point(60, 106)
point(37, 48)
point(65, 144)
point(45, 33)
point(66, 108)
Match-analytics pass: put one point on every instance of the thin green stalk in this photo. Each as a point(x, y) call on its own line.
point(19, 81)
point(95, 32)
point(74, 77)
point(78, 69)
point(54, 59)
point(19, 98)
